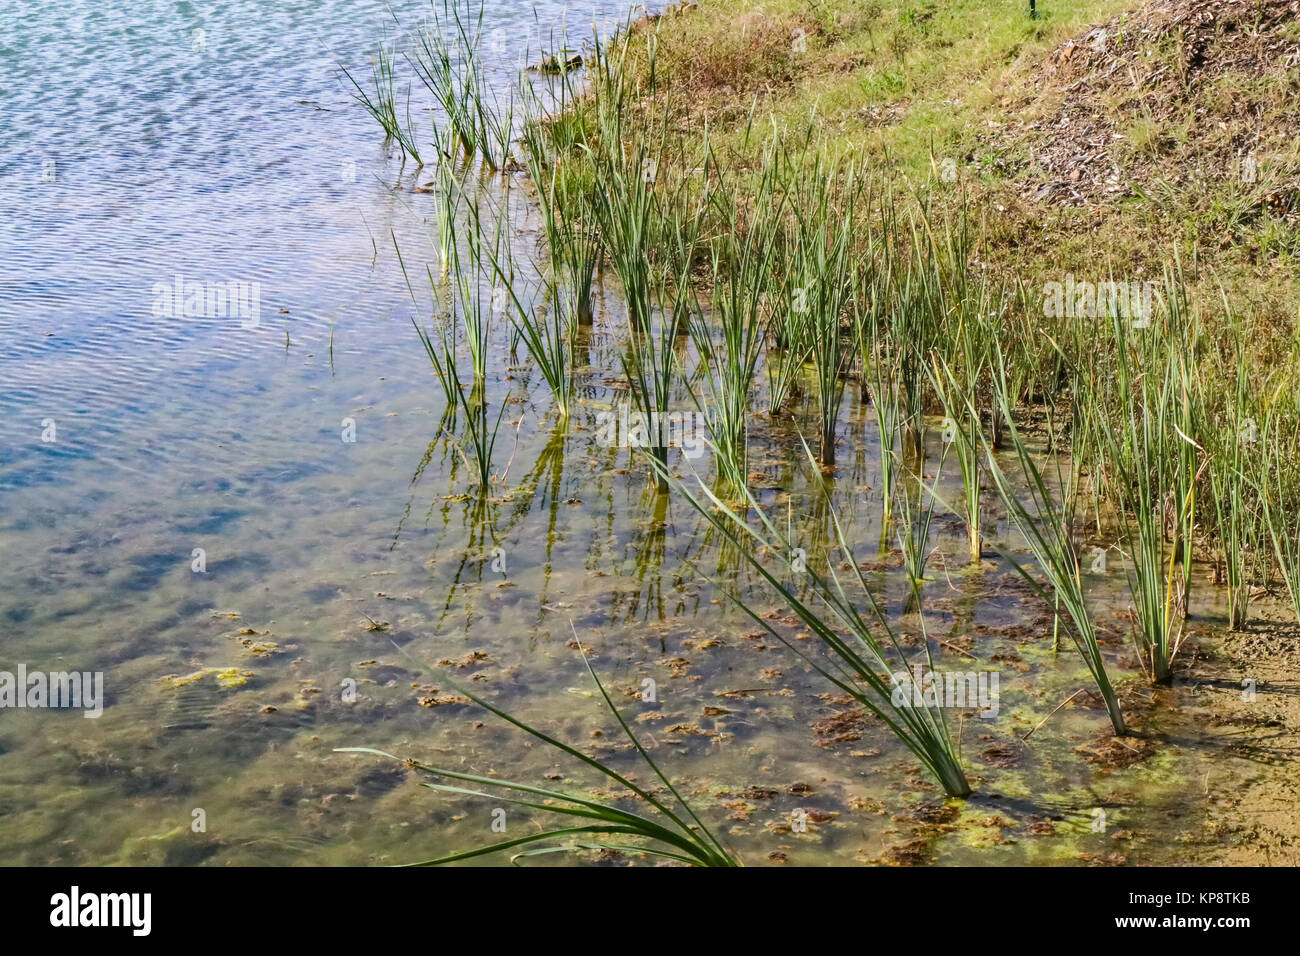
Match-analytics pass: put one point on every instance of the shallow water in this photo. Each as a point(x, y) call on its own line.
point(136, 149)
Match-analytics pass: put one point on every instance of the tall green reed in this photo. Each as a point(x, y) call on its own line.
point(1151, 465)
point(828, 268)
point(546, 327)
point(958, 375)
point(554, 147)
point(441, 347)
point(446, 58)
point(916, 502)
point(1231, 431)
point(730, 339)
point(880, 371)
point(1280, 496)
point(649, 226)
point(1049, 522)
point(861, 654)
point(380, 101)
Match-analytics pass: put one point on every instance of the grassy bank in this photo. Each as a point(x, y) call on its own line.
point(1102, 134)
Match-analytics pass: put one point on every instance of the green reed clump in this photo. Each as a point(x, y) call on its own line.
point(880, 371)
point(730, 340)
point(957, 375)
point(649, 227)
point(554, 147)
point(672, 832)
point(1151, 465)
point(572, 236)
point(1049, 523)
point(447, 211)
point(828, 270)
point(548, 331)
point(922, 290)
point(380, 101)
point(447, 60)
point(547, 328)
point(1280, 496)
point(475, 274)
point(789, 340)
point(916, 502)
point(624, 204)
point(1232, 438)
point(860, 654)
point(441, 347)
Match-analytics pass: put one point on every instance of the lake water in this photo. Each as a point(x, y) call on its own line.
point(182, 510)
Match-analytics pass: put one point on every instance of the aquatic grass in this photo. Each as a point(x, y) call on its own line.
point(380, 101)
point(957, 375)
point(788, 343)
point(575, 241)
point(442, 356)
point(434, 63)
point(918, 308)
point(481, 430)
point(446, 59)
point(675, 831)
point(828, 270)
point(730, 339)
point(548, 331)
point(624, 210)
point(1279, 500)
point(858, 661)
point(653, 368)
point(1232, 440)
point(879, 371)
point(475, 269)
point(546, 328)
point(650, 232)
point(450, 192)
point(1049, 523)
point(566, 204)
point(917, 502)
point(1151, 466)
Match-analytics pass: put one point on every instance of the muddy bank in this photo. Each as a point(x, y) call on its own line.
point(1248, 694)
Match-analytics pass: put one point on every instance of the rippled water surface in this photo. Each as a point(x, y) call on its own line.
point(215, 141)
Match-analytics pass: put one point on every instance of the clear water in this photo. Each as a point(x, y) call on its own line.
point(134, 148)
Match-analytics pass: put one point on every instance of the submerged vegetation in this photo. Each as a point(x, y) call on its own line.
point(770, 252)
point(676, 834)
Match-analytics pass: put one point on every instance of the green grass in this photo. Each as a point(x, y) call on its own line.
point(969, 83)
